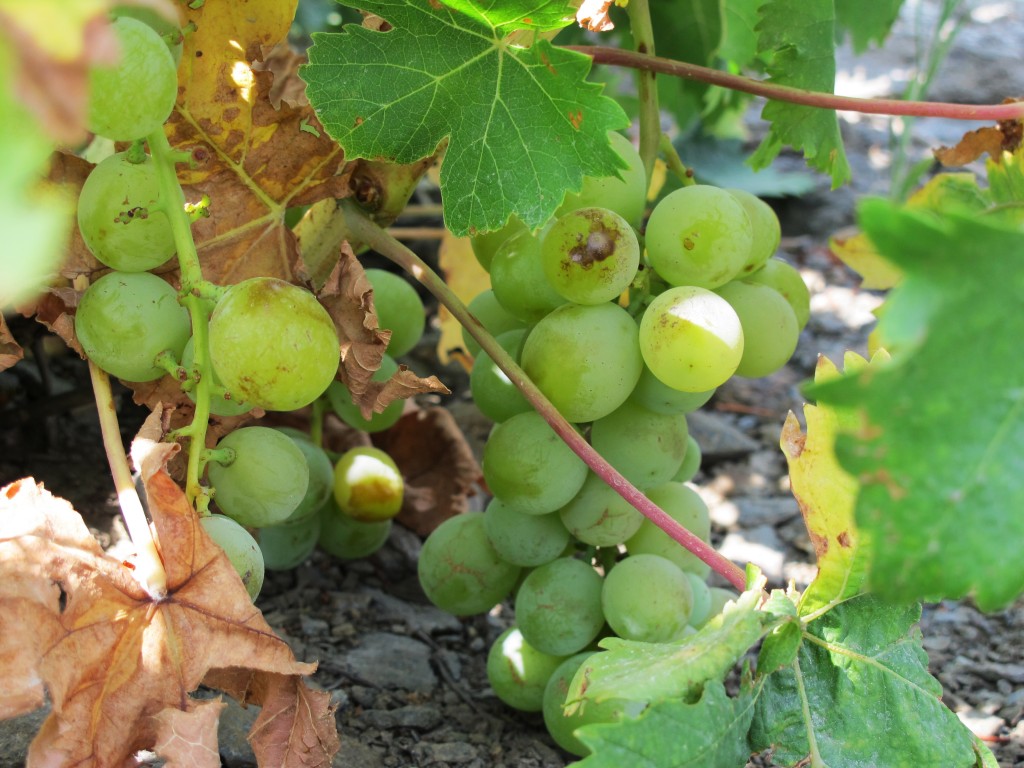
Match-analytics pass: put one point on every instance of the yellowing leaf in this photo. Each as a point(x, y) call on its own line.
point(860, 255)
point(466, 278)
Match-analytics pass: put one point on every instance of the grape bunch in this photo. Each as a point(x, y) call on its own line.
point(625, 333)
point(270, 344)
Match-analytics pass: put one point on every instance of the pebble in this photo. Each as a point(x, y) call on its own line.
point(717, 438)
point(392, 661)
point(771, 510)
point(761, 546)
point(418, 618)
point(426, 753)
point(418, 716)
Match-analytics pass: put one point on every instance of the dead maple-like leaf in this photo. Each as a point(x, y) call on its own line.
point(437, 463)
point(1004, 137)
point(115, 661)
point(189, 738)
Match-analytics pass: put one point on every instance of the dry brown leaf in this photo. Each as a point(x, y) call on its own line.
point(10, 350)
point(593, 15)
point(994, 140)
point(114, 658)
point(188, 739)
point(437, 464)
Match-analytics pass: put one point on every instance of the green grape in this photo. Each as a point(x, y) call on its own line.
point(626, 195)
point(529, 467)
point(686, 507)
point(460, 571)
point(347, 538)
point(493, 392)
point(586, 360)
point(646, 447)
point(701, 611)
point(399, 309)
point(518, 281)
point(691, 462)
point(484, 245)
point(321, 477)
point(663, 613)
point(125, 319)
point(368, 485)
point(222, 403)
point(654, 395)
point(134, 97)
point(486, 308)
point(691, 339)
point(289, 544)
point(169, 31)
point(562, 726)
point(273, 344)
point(784, 278)
point(341, 401)
point(718, 597)
point(118, 215)
point(241, 548)
point(518, 672)
point(765, 228)
point(521, 539)
point(590, 255)
point(558, 606)
point(770, 330)
point(266, 480)
point(698, 236)
point(598, 516)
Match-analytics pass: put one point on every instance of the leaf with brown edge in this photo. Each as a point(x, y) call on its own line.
point(593, 15)
point(10, 350)
point(437, 463)
point(402, 385)
point(296, 725)
point(188, 739)
point(973, 145)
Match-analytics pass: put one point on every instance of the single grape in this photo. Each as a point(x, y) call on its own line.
point(289, 544)
point(169, 31)
point(273, 344)
point(663, 613)
point(698, 236)
point(691, 462)
point(786, 280)
point(590, 255)
point(493, 392)
point(529, 467)
point(118, 215)
point(770, 330)
point(521, 539)
point(241, 548)
point(347, 538)
point(341, 401)
point(125, 319)
point(654, 395)
point(646, 447)
point(599, 516)
point(486, 308)
point(518, 281)
point(586, 360)
point(701, 600)
point(368, 485)
point(399, 309)
point(691, 339)
point(562, 726)
point(765, 229)
point(133, 97)
point(321, 478)
point(518, 672)
point(222, 403)
point(625, 194)
point(558, 606)
point(460, 571)
point(485, 244)
point(266, 480)
point(686, 507)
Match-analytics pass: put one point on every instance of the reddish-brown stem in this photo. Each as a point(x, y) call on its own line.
point(618, 57)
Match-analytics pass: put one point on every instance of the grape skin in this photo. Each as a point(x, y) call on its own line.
point(289, 544)
point(627, 195)
point(241, 549)
point(663, 614)
point(558, 606)
point(347, 538)
point(770, 330)
point(368, 485)
point(518, 672)
point(399, 309)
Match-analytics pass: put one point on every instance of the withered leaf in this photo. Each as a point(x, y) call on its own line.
point(1005, 137)
point(10, 351)
point(188, 738)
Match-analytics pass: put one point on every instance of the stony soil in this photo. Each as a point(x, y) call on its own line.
point(408, 679)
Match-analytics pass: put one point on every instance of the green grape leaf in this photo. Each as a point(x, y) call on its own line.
point(938, 451)
point(799, 36)
point(540, 15)
point(658, 671)
point(738, 44)
point(826, 493)
point(712, 733)
point(866, 22)
point(689, 30)
point(1006, 179)
point(522, 124)
point(859, 694)
point(780, 645)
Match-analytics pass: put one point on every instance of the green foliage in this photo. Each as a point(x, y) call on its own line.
point(798, 35)
point(866, 23)
point(439, 75)
point(940, 456)
point(859, 694)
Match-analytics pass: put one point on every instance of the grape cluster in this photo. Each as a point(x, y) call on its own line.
point(625, 333)
point(272, 345)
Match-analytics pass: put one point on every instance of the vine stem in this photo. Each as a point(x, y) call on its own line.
point(650, 115)
point(369, 233)
point(616, 57)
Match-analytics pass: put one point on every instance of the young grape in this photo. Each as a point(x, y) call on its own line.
point(487, 243)
point(770, 330)
point(785, 279)
point(486, 308)
point(599, 516)
point(493, 392)
point(558, 606)
point(626, 194)
point(241, 548)
point(321, 478)
point(221, 402)
point(765, 229)
point(686, 507)
point(399, 309)
point(663, 614)
point(521, 539)
point(288, 544)
point(340, 397)
point(368, 485)
point(518, 672)
point(654, 395)
point(345, 537)
point(518, 281)
point(647, 448)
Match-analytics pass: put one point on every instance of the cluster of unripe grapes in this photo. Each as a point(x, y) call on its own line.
point(625, 333)
point(272, 344)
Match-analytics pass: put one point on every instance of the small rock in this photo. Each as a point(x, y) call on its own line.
point(447, 752)
point(393, 661)
point(16, 734)
point(769, 510)
point(761, 546)
point(418, 618)
point(313, 627)
point(717, 438)
point(233, 733)
point(416, 716)
point(355, 754)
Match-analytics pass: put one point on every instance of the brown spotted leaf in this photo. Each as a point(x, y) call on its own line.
point(188, 738)
point(994, 140)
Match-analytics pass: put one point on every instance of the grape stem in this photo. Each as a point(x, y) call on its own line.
point(367, 232)
point(650, 115)
point(617, 57)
